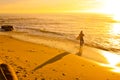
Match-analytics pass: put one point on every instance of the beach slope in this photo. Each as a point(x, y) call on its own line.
point(39, 62)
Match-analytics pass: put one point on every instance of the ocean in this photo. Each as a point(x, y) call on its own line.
point(100, 31)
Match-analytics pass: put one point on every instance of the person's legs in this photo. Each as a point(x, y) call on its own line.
point(81, 43)
point(80, 51)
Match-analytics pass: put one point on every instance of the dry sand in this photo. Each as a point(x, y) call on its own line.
point(39, 62)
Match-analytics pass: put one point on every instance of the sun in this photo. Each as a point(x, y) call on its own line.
point(111, 7)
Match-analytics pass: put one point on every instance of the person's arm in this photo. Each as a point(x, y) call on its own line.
point(78, 37)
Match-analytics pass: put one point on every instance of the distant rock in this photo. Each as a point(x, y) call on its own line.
point(7, 27)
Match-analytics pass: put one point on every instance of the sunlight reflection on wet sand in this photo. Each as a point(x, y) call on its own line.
point(113, 59)
point(112, 68)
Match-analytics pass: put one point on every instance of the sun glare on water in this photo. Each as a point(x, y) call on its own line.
point(112, 7)
point(116, 17)
point(115, 28)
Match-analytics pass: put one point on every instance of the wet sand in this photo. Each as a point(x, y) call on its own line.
point(40, 62)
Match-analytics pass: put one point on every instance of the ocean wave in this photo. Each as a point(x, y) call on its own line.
point(38, 30)
point(24, 35)
point(45, 33)
point(72, 38)
point(105, 48)
point(96, 28)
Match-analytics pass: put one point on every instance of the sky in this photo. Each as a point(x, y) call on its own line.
point(53, 6)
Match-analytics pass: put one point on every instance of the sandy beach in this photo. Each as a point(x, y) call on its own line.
point(59, 40)
point(40, 62)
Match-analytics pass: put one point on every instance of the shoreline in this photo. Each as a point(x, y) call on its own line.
point(88, 52)
point(54, 42)
point(50, 63)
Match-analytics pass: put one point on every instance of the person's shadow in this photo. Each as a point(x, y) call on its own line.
point(52, 60)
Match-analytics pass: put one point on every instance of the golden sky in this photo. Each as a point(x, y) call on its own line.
point(52, 6)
